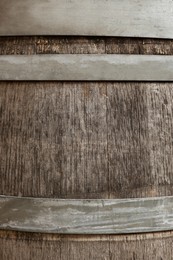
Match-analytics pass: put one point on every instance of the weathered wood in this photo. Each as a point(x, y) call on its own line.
point(48, 135)
point(83, 45)
point(106, 247)
point(86, 140)
point(89, 171)
point(27, 104)
point(87, 17)
point(52, 45)
point(86, 67)
point(86, 216)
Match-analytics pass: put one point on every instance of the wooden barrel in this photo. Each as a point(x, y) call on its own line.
point(83, 140)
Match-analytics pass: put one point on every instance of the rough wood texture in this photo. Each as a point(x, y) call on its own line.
point(86, 140)
point(121, 216)
point(81, 67)
point(87, 17)
point(83, 45)
point(157, 246)
point(137, 129)
point(60, 145)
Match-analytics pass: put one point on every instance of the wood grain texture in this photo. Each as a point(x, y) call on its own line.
point(35, 112)
point(141, 111)
point(51, 45)
point(87, 17)
point(83, 45)
point(86, 140)
point(93, 67)
point(122, 216)
point(60, 145)
point(39, 246)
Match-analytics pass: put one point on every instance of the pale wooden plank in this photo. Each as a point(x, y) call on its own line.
point(71, 67)
point(86, 216)
point(87, 17)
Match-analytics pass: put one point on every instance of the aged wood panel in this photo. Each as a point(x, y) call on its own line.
point(21, 105)
point(139, 137)
point(53, 139)
point(86, 216)
point(71, 67)
point(37, 246)
point(85, 185)
point(87, 17)
point(86, 140)
point(84, 45)
point(52, 45)
point(155, 182)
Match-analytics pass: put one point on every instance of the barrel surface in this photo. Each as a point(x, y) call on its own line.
point(85, 140)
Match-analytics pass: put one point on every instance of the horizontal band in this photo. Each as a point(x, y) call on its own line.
point(137, 18)
point(77, 67)
point(118, 216)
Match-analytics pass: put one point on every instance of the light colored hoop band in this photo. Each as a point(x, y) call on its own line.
point(114, 216)
point(79, 67)
point(137, 18)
